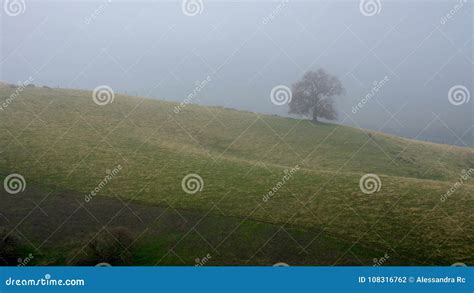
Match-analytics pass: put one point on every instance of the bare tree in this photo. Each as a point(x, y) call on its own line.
point(312, 95)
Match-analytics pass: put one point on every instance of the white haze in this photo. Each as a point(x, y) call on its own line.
point(248, 47)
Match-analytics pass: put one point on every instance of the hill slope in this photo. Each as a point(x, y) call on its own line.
point(61, 140)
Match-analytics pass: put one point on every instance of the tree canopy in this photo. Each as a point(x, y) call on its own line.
point(312, 96)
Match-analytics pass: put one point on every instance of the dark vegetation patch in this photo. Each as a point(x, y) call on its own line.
point(62, 229)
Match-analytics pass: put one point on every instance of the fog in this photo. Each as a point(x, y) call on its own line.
point(421, 48)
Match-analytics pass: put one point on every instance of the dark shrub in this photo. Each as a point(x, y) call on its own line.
point(109, 246)
point(10, 248)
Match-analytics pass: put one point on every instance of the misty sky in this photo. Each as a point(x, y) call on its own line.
point(247, 47)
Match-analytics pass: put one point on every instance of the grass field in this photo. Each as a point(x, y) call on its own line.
point(64, 145)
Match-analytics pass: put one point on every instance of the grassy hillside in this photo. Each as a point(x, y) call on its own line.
point(61, 141)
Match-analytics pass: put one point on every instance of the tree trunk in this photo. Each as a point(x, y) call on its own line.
point(315, 115)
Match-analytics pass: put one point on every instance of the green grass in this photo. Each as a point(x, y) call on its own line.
point(60, 140)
